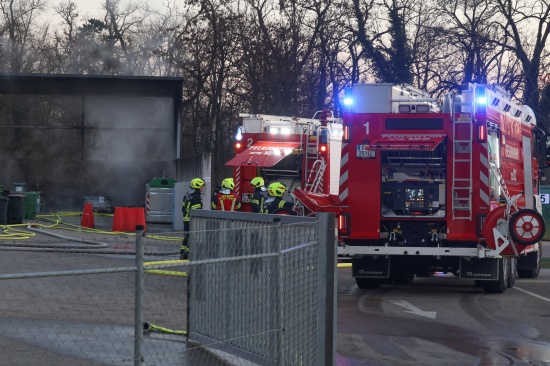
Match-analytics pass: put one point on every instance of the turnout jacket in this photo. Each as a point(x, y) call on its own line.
point(226, 200)
point(273, 203)
point(258, 199)
point(191, 201)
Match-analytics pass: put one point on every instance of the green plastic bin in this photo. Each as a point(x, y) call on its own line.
point(3, 210)
point(16, 209)
point(32, 204)
point(162, 183)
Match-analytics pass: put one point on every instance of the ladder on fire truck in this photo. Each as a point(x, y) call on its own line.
point(315, 164)
point(462, 162)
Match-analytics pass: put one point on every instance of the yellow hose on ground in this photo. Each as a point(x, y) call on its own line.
point(163, 272)
point(148, 327)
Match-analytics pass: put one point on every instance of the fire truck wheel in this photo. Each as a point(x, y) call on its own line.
point(402, 278)
point(500, 285)
point(512, 272)
point(534, 272)
point(368, 283)
point(526, 227)
point(285, 211)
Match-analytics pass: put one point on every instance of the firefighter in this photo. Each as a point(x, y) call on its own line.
point(260, 194)
point(225, 199)
point(274, 202)
point(191, 201)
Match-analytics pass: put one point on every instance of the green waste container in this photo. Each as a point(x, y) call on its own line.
point(4, 210)
point(162, 183)
point(16, 209)
point(32, 204)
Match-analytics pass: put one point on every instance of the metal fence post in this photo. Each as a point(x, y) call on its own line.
point(326, 320)
point(138, 330)
point(280, 292)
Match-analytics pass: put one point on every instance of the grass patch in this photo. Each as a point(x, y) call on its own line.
point(545, 263)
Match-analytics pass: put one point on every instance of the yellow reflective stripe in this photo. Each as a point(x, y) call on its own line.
point(198, 205)
point(282, 204)
point(213, 205)
point(233, 201)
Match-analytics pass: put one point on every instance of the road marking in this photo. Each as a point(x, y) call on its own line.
point(532, 294)
point(413, 309)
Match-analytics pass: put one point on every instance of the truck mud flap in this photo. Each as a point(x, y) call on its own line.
point(371, 267)
point(479, 269)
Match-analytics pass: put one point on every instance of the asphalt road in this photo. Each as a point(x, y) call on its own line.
point(444, 321)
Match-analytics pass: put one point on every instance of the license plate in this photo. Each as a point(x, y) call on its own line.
point(364, 152)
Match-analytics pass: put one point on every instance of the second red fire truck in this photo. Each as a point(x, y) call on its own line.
point(302, 153)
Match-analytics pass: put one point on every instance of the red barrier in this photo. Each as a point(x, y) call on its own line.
point(127, 218)
point(119, 220)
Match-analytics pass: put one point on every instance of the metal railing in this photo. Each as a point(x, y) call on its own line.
point(257, 289)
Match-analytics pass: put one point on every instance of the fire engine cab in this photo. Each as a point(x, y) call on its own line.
point(429, 189)
point(301, 153)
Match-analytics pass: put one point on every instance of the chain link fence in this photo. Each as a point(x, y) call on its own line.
point(258, 289)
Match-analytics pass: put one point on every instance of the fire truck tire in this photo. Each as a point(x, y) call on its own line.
point(368, 283)
point(532, 273)
point(403, 278)
point(285, 211)
point(512, 272)
point(526, 227)
point(500, 285)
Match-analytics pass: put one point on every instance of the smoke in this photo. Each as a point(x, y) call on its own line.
point(125, 143)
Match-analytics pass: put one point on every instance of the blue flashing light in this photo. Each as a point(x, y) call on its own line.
point(348, 97)
point(481, 101)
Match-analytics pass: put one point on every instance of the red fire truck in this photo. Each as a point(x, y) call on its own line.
point(440, 190)
point(302, 153)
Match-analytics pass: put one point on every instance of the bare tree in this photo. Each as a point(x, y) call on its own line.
point(385, 40)
point(64, 41)
point(467, 23)
point(524, 28)
point(122, 21)
point(277, 41)
point(18, 19)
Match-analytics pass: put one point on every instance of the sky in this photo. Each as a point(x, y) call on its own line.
point(94, 8)
point(85, 6)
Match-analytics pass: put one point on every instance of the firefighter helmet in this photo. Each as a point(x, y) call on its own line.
point(257, 182)
point(276, 189)
point(196, 183)
point(228, 183)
